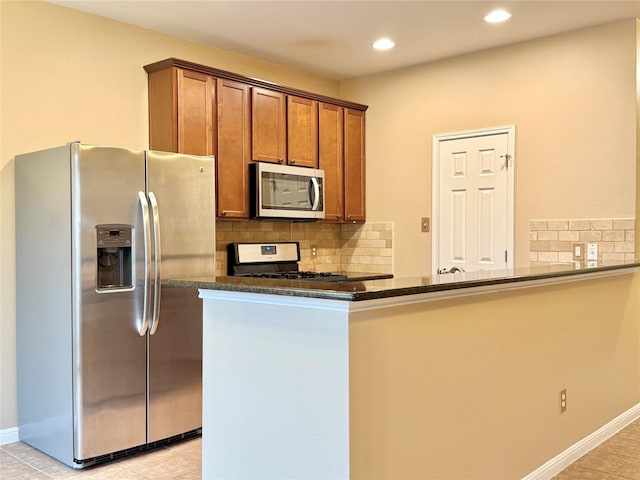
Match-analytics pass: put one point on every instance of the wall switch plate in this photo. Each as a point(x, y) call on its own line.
point(578, 251)
point(592, 251)
point(425, 224)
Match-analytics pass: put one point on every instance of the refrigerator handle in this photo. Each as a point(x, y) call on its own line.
point(155, 218)
point(146, 229)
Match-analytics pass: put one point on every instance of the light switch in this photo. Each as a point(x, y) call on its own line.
point(592, 251)
point(578, 251)
point(426, 224)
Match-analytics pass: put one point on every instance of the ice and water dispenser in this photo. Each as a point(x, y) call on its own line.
point(114, 257)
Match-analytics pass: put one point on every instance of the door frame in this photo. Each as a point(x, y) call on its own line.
point(438, 138)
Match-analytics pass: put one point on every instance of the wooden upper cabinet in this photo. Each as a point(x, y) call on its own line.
point(163, 110)
point(331, 159)
point(354, 162)
point(302, 132)
point(234, 149)
point(181, 111)
point(202, 110)
point(195, 113)
point(268, 125)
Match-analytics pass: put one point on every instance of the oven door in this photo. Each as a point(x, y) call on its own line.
point(282, 191)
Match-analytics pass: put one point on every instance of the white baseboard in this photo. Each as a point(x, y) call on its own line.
point(558, 463)
point(9, 435)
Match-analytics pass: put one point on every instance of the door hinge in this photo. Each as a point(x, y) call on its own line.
point(505, 256)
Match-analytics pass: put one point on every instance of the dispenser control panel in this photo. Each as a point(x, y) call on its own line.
point(113, 236)
point(114, 258)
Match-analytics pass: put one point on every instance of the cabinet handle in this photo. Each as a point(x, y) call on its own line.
point(281, 160)
point(223, 213)
point(338, 217)
point(293, 162)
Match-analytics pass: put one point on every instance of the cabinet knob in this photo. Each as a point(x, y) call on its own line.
point(338, 217)
point(223, 213)
point(281, 160)
point(293, 162)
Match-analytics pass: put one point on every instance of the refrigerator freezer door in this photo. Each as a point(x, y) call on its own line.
point(109, 353)
point(183, 187)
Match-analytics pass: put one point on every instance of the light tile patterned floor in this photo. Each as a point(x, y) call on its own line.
point(615, 459)
point(177, 461)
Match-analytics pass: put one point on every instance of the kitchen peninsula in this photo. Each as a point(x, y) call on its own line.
point(426, 377)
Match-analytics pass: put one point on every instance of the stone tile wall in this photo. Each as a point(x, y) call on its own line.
point(352, 247)
point(368, 247)
point(550, 241)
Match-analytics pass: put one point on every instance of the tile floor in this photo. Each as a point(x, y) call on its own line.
point(177, 461)
point(616, 459)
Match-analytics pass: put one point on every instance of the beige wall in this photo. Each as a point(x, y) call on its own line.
point(66, 76)
point(572, 98)
point(637, 130)
point(469, 388)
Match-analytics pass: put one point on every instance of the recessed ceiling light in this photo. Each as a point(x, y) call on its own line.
point(384, 44)
point(497, 16)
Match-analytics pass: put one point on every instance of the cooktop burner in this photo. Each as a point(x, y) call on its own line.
point(297, 275)
point(272, 260)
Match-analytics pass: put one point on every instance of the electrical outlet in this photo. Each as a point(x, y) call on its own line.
point(592, 251)
point(314, 250)
point(563, 400)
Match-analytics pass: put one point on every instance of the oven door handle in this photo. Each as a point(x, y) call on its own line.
point(315, 197)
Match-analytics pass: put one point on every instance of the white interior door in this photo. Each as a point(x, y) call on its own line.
point(473, 200)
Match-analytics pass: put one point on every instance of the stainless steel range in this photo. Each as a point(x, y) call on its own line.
point(272, 260)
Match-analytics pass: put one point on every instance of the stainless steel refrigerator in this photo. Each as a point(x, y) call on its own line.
point(109, 355)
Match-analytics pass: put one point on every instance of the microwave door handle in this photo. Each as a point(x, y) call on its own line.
point(316, 193)
point(146, 229)
point(155, 220)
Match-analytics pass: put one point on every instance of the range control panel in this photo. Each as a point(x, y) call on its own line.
point(266, 252)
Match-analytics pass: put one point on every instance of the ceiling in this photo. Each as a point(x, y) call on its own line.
point(333, 38)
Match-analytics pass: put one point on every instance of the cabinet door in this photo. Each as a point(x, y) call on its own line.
point(331, 159)
point(302, 132)
point(269, 129)
point(354, 159)
point(196, 97)
point(234, 154)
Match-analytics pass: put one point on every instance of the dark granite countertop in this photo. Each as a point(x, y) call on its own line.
point(394, 287)
point(362, 276)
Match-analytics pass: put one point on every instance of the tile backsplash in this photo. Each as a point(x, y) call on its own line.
point(551, 240)
point(368, 247)
point(348, 247)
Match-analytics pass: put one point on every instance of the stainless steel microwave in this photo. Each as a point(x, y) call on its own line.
point(283, 191)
